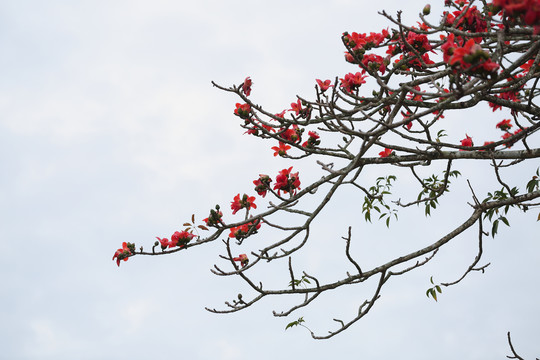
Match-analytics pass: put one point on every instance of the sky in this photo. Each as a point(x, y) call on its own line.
point(111, 131)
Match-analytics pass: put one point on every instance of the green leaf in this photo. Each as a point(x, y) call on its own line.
point(494, 228)
point(504, 220)
point(538, 217)
point(438, 289)
point(431, 279)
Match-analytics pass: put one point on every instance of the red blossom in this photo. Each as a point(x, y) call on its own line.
point(242, 110)
point(181, 238)
point(281, 150)
point(262, 184)
point(240, 232)
point(504, 125)
point(124, 253)
point(312, 141)
point(386, 153)
point(293, 134)
point(296, 107)
point(351, 81)
point(324, 85)
point(287, 182)
point(246, 86)
point(165, 243)
point(246, 202)
point(467, 142)
point(214, 219)
point(243, 259)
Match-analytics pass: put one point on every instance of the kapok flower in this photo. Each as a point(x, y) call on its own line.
point(243, 259)
point(351, 82)
point(312, 141)
point(293, 134)
point(165, 243)
point(386, 153)
point(181, 238)
point(466, 142)
point(246, 202)
point(124, 253)
point(281, 150)
point(287, 182)
point(262, 184)
point(296, 107)
point(240, 232)
point(242, 110)
point(324, 85)
point(214, 219)
point(504, 125)
point(246, 86)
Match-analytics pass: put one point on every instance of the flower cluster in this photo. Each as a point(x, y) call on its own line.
point(527, 11)
point(287, 182)
point(179, 238)
point(469, 58)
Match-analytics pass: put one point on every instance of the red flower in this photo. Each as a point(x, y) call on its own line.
point(214, 219)
point(281, 150)
point(242, 110)
point(466, 142)
point(352, 81)
point(240, 232)
point(243, 259)
point(296, 107)
point(504, 125)
point(312, 141)
point(262, 184)
point(293, 134)
point(124, 253)
point(246, 202)
point(324, 85)
point(246, 86)
point(287, 182)
point(181, 238)
point(165, 243)
point(386, 153)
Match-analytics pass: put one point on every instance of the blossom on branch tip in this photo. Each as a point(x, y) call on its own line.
point(246, 86)
point(246, 202)
point(324, 85)
point(124, 253)
point(243, 259)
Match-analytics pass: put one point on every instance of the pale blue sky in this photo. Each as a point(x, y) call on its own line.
point(110, 131)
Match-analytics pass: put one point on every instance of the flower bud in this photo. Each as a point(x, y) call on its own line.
point(427, 9)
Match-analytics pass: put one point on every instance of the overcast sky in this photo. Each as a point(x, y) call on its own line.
point(111, 131)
